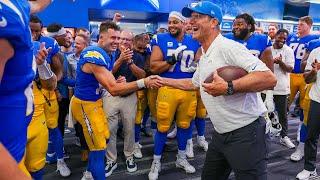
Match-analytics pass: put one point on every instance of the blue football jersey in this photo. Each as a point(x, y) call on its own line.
point(18, 72)
point(256, 43)
point(50, 42)
point(313, 44)
point(298, 46)
point(87, 87)
point(16, 98)
point(168, 44)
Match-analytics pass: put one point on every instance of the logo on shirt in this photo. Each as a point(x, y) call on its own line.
point(170, 44)
point(3, 22)
point(93, 54)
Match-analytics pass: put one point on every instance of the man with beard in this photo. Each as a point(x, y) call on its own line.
point(297, 83)
point(258, 44)
point(172, 54)
point(283, 58)
point(235, 109)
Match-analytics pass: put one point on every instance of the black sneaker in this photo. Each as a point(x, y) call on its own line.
point(131, 165)
point(110, 167)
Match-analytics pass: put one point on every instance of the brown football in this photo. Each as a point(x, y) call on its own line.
point(228, 73)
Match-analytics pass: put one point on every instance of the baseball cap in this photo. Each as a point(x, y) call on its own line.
point(203, 7)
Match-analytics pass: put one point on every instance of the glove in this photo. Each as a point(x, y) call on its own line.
point(177, 55)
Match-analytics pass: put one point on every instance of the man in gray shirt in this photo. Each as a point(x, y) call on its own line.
point(234, 107)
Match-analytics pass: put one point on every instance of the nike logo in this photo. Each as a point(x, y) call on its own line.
point(253, 68)
point(3, 22)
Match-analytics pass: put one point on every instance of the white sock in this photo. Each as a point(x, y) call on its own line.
point(182, 154)
point(157, 158)
point(189, 141)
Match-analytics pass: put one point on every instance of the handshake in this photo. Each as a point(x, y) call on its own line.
point(154, 82)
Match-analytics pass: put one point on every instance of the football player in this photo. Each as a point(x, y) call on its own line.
point(16, 74)
point(298, 42)
point(51, 108)
point(171, 57)
point(94, 68)
point(37, 134)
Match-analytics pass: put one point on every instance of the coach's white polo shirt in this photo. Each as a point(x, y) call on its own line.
point(229, 113)
point(314, 93)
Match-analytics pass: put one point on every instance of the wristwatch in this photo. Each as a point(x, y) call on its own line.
point(230, 89)
point(131, 62)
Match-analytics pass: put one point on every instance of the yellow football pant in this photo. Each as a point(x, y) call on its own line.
point(176, 103)
point(91, 116)
point(152, 95)
point(37, 143)
point(306, 104)
point(297, 83)
point(141, 105)
point(201, 109)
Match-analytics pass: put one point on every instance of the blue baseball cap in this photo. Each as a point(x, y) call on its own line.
point(203, 7)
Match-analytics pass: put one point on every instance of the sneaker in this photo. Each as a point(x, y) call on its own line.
point(51, 158)
point(87, 176)
point(173, 133)
point(137, 151)
point(189, 149)
point(146, 132)
point(201, 140)
point(154, 170)
point(184, 164)
point(131, 165)
point(299, 153)
point(305, 174)
point(287, 142)
point(63, 169)
point(84, 155)
point(110, 167)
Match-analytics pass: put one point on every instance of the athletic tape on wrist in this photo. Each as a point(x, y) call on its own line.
point(45, 72)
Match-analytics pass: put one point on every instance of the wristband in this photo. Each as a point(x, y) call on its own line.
point(45, 72)
point(140, 83)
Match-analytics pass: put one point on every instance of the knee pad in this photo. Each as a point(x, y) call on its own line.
point(163, 117)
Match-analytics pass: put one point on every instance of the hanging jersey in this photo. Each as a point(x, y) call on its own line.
point(256, 43)
point(50, 42)
point(313, 44)
point(168, 44)
point(298, 46)
point(87, 87)
point(15, 88)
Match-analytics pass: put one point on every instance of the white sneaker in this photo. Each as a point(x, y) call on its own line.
point(305, 175)
point(173, 133)
point(137, 151)
point(189, 149)
point(184, 164)
point(87, 176)
point(154, 170)
point(287, 142)
point(63, 169)
point(201, 140)
point(299, 153)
